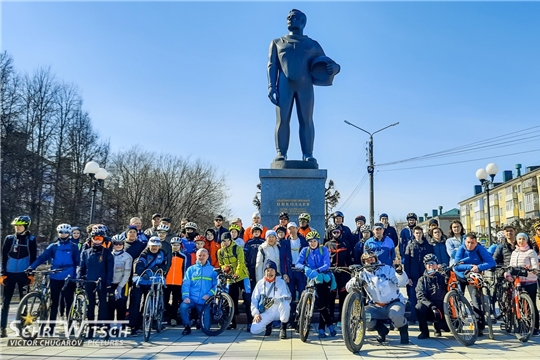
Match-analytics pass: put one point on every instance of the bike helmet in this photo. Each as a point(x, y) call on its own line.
point(200, 238)
point(64, 229)
point(500, 236)
point(73, 228)
point(383, 215)
point(365, 228)
point(235, 227)
point(304, 216)
point(338, 213)
point(360, 217)
point(100, 227)
point(536, 225)
point(367, 256)
point(176, 240)
point(475, 279)
point(23, 220)
point(284, 215)
point(118, 239)
point(97, 232)
point(430, 257)
point(312, 235)
point(256, 227)
point(162, 227)
point(154, 240)
point(412, 216)
point(190, 225)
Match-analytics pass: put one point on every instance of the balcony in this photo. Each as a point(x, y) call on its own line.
point(530, 186)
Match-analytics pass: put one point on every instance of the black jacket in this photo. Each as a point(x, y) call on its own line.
point(414, 258)
point(134, 248)
point(503, 253)
point(430, 290)
point(97, 263)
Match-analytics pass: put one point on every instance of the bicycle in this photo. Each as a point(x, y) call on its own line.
point(35, 306)
point(354, 317)
point(458, 312)
point(218, 310)
point(153, 303)
point(79, 307)
point(479, 281)
point(516, 305)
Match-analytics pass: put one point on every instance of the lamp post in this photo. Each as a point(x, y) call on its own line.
point(371, 168)
point(96, 175)
point(482, 174)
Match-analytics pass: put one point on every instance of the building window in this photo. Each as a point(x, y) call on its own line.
point(510, 205)
point(508, 191)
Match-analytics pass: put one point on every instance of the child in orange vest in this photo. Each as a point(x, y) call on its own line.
point(174, 281)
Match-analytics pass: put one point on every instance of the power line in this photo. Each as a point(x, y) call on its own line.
point(351, 197)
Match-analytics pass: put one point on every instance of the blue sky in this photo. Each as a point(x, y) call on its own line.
point(190, 79)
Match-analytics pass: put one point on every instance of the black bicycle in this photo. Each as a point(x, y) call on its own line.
point(79, 307)
point(218, 310)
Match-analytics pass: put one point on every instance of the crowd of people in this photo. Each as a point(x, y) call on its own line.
point(268, 268)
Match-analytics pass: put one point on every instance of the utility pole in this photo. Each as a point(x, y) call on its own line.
point(371, 169)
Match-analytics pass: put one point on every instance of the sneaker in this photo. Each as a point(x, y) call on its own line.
point(268, 330)
point(3, 333)
point(338, 324)
point(332, 330)
point(423, 335)
point(437, 333)
point(187, 330)
point(322, 334)
point(174, 322)
point(133, 332)
point(283, 333)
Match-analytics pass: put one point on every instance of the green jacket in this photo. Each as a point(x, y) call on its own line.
point(233, 256)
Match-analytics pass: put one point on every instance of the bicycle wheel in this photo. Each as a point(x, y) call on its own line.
point(460, 317)
point(353, 322)
point(216, 314)
point(159, 314)
point(525, 317)
point(29, 311)
point(486, 304)
point(77, 314)
point(305, 316)
point(147, 315)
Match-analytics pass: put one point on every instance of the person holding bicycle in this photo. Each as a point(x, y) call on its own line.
point(18, 252)
point(199, 284)
point(473, 258)
point(430, 291)
point(382, 285)
point(315, 261)
point(122, 271)
point(525, 256)
point(231, 260)
point(152, 258)
point(174, 280)
point(271, 301)
point(64, 255)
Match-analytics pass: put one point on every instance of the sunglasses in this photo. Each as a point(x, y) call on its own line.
point(117, 243)
point(218, 220)
point(98, 238)
point(431, 263)
point(62, 232)
point(336, 232)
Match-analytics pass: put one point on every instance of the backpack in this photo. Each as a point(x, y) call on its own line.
point(234, 251)
point(307, 253)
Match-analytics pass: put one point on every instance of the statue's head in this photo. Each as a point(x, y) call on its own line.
point(296, 20)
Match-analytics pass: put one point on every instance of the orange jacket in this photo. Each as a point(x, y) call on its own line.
point(304, 232)
point(175, 276)
point(213, 247)
point(248, 236)
point(537, 240)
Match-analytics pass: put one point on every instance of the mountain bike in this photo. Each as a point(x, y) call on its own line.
point(33, 309)
point(354, 317)
point(481, 283)
point(218, 310)
point(153, 302)
point(458, 312)
point(79, 307)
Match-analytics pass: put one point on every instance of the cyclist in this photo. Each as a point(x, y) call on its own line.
point(389, 230)
point(346, 234)
point(200, 243)
point(163, 235)
point(359, 247)
point(315, 261)
point(18, 252)
point(231, 260)
point(430, 292)
point(504, 251)
point(152, 258)
point(65, 256)
point(384, 243)
point(296, 280)
point(407, 233)
point(97, 262)
point(189, 242)
point(439, 246)
point(271, 301)
point(174, 280)
point(235, 231)
point(283, 221)
point(382, 288)
point(456, 237)
point(251, 250)
point(199, 284)
point(473, 258)
point(122, 272)
point(360, 221)
point(303, 221)
point(339, 257)
point(269, 250)
point(281, 232)
point(133, 246)
point(213, 246)
point(525, 256)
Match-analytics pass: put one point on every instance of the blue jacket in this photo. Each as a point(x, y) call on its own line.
point(439, 249)
point(250, 252)
point(318, 259)
point(18, 252)
point(413, 260)
point(391, 232)
point(97, 263)
point(189, 248)
point(285, 263)
point(387, 245)
point(404, 237)
point(149, 260)
point(479, 256)
point(199, 280)
point(64, 255)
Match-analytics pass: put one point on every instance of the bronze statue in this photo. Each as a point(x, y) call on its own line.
point(296, 63)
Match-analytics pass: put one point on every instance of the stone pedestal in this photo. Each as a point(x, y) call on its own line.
point(294, 191)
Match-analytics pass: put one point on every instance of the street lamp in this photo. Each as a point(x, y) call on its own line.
point(97, 175)
point(482, 174)
point(371, 168)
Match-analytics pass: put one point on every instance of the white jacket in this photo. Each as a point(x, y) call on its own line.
point(266, 252)
point(523, 258)
point(279, 292)
point(122, 268)
point(382, 285)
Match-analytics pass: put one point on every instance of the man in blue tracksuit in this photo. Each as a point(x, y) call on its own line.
point(384, 244)
point(97, 262)
point(473, 258)
point(199, 284)
point(65, 256)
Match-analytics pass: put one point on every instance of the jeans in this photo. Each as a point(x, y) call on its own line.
point(185, 310)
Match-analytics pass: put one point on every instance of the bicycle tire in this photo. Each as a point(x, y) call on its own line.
point(34, 303)
point(353, 321)
point(159, 314)
point(486, 304)
point(217, 311)
point(147, 316)
point(525, 322)
point(77, 313)
point(305, 316)
point(460, 318)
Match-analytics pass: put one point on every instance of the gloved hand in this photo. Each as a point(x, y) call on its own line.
point(398, 268)
point(3, 280)
point(311, 274)
point(437, 314)
point(227, 269)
